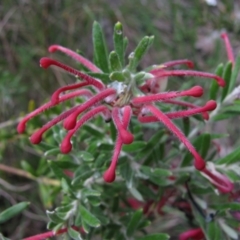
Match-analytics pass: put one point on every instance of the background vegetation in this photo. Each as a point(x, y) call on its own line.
point(182, 29)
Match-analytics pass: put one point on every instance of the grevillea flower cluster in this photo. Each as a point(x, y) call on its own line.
point(122, 98)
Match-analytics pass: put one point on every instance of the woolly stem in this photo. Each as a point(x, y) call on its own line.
point(198, 162)
point(221, 182)
point(56, 94)
point(168, 73)
point(110, 173)
point(196, 91)
point(37, 136)
point(22, 125)
point(196, 233)
point(85, 62)
point(228, 47)
point(66, 145)
point(70, 121)
point(210, 105)
point(47, 62)
point(49, 234)
point(160, 67)
point(126, 136)
point(205, 115)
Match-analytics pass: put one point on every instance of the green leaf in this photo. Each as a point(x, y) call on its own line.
point(227, 77)
point(213, 231)
point(202, 144)
point(27, 167)
point(74, 234)
point(88, 217)
point(134, 147)
point(3, 238)
point(155, 172)
point(102, 76)
point(231, 158)
point(222, 116)
point(115, 64)
point(13, 211)
point(205, 144)
point(155, 236)
point(186, 125)
point(53, 151)
point(214, 86)
point(54, 217)
point(119, 42)
point(136, 194)
point(234, 206)
point(235, 73)
point(134, 221)
point(141, 49)
point(118, 76)
point(90, 192)
point(58, 171)
point(125, 44)
point(99, 46)
point(86, 156)
point(228, 230)
point(92, 131)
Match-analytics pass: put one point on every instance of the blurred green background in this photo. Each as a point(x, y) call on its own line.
point(182, 29)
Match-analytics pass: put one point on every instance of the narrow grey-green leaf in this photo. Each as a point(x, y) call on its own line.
point(118, 76)
point(213, 231)
point(86, 156)
point(58, 171)
point(3, 238)
point(74, 234)
point(227, 77)
point(115, 64)
point(235, 73)
point(228, 230)
point(90, 192)
point(134, 147)
point(13, 211)
point(87, 217)
point(136, 194)
point(231, 158)
point(54, 217)
point(155, 236)
point(125, 44)
point(119, 41)
point(214, 86)
point(102, 76)
point(100, 49)
point(53, 151)
point(134, 221)
point(141, 49)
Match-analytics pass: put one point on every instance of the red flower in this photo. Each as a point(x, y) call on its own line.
point(193, 234)
point(119, 101)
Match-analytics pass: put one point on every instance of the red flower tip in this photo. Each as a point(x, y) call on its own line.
point(190, 64)
point(109, 175)
point(195, 234)
point(127, 137)
point(224, 35)
point(199, 163)
point(205, 116)
point(66, 146)
point(46, 62)
point(36, 137)
point(53, 48)
point(220, 81)
point(70, 122)
point(196, 91)
point(210, 105)
point(21, 127)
